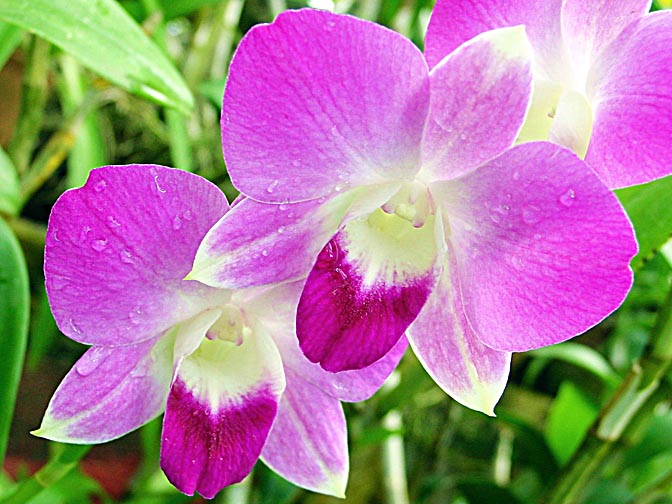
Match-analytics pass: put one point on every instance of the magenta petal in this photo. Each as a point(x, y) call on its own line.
point(118, 248)
point(588, 27)
point(454, 22)
point(444, 342)
point(308, 444)
point(345, 322)
point(540, 258)
point(203, 450)
point(631, 90)
point(317, 101)
point(110, 392)
point(257, 243)
point(479, 98)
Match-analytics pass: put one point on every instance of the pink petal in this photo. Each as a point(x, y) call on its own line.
point(540, 258)
point(454, 22)
point(275, 309)
point(316, 102)
point(118, 248)
point(631, 91)
point(362, 294)
point(308, 444)
point(220, 409)
point(588, 27)
point(479, 98)
point(444, 342)
point(110, 392)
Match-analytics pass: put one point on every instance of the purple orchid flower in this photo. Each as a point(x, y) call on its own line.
point(224, 365)
point(393, 186)
point(603, 76)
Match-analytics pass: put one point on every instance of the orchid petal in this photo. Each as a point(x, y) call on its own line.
point(308, 444)
point(480, 95)
point(118, 248)
point(110, 392)
point(540, 258)
point(276, 310)
point(444, 342)
point(220, 409)
point(453, 23)
point(256, 243)
point(588, 27)
point(631, 91)
point(368, 284)
point(289, 105)
point(573, 123)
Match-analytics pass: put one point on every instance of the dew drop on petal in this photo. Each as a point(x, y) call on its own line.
point(99, 245)
point(177, 223)
point(84, 233)
point(271, 187)
point(516, 175)
point(100, 185)
point(495, 217)
point(567, 198)
point(135, 314)
point(75, 328)
point(92, 360)
point(126, 256)
point(531, 214)
point(264, 253)
point(281, 229)
point(112, 222)
point(188, 215)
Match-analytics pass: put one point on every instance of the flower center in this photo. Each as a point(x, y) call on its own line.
point(230, 326)
point(412, 203)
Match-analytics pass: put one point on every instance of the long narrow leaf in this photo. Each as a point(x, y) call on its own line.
point(14, 314)
point(105, 38)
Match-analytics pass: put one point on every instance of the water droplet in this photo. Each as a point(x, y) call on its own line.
point(99, 245)
point(283, 206)
point(296, 163)
point(100, 185)
point(567, 199)
point(126, 256)
point(531, 214)
point(271, 187)
point(75, 328)
point(188, 215)
point(537, 236)
point(92, 360)
point(135, 314)
point(264, 253)
point(112, 222)
point(495, 217)
point(463, 136)
point(255, 256)
point(516, 175)
point(342, 274)
point(281, 229)
point(338, 187)
point(84, 233)
point(334, 131)
point(157, 185)
point(332, 250)
point(177, 223)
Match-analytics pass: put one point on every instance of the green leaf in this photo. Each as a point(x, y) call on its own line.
point(10, 195)
point(648, 206)
point(569, 419)
point(105, 38)
point(14, 315)
point(582, 356)
point(10, 38)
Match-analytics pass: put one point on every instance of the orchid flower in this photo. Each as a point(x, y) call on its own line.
point(397, 190)
point(224, 365)
point(603, 76)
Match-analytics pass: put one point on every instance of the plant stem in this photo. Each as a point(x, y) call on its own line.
point(64, 461)
point(636, 388)
point(34, 97)
point(394, 461)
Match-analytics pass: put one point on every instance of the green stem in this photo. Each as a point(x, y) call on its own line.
point(394, 462)
point(34, 98)
point(627, 401)
point(61, 464)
